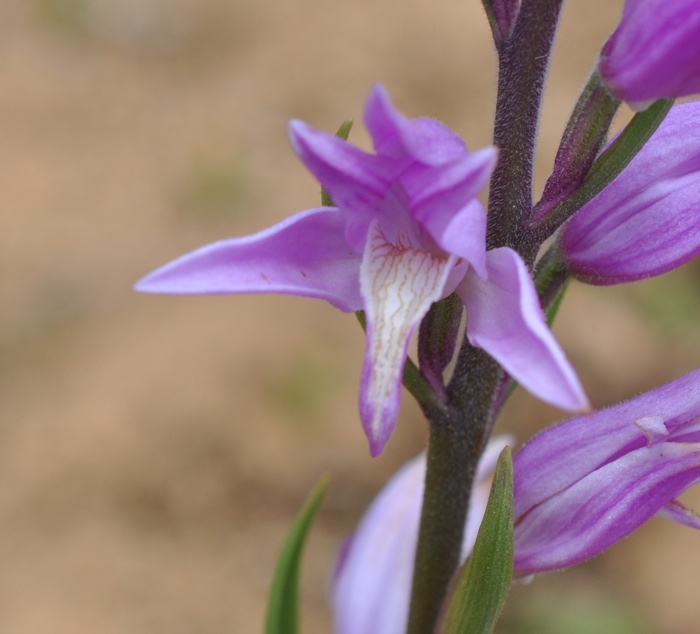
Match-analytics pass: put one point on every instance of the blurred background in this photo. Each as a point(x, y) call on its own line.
point(154, 450)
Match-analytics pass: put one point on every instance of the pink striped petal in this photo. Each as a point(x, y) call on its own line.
point(603, 507)
point(582, 485)
point(398, 284)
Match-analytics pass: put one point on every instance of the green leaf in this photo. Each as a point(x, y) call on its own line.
point(282, 612)
point(483, 583)
point(342, 133)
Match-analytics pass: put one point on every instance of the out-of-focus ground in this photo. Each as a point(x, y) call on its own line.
point(154, 450)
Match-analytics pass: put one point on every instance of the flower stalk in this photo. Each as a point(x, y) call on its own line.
point(402, 240)
point(457, 439)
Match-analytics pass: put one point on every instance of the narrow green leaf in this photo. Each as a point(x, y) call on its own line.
point(343, 132)
point(482, 586)
point(282, 611)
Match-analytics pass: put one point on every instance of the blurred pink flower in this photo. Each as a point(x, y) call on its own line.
point(371, 584)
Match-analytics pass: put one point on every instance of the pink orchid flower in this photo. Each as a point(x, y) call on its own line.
point(407, 230)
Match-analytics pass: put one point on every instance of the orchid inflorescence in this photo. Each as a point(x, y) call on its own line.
point(403, 240)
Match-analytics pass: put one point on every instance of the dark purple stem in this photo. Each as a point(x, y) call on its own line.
point(459, 429)
point(522, 68)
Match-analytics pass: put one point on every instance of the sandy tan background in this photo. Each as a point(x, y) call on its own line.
point(154, 450)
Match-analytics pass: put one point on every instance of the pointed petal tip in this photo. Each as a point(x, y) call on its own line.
point(376, 447)
point(378, 97)
point(577, 401)
point(304, 138)
point(296, 124)
point(569, 395)
point(141, 286)
point(152, 283)
point(159, 281)
point(586, 409)
point(378, 425)
point(489, 155)
point(378, 91)
point(378, 415)
point(297, 130)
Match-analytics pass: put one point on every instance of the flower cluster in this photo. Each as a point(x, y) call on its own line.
point(406, 229)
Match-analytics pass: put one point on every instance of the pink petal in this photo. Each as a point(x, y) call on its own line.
point(505, 319)
point(603, 507)
point(424, 140)
point(646, 221)
point(443, 200)
point(565, 453)
point(462, 234)
point(305, 254)
point(372, 583)
point(398, 283)
point(586, 483)
point(654, 53)
point(356, 181)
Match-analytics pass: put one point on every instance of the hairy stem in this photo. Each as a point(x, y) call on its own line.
point(523, 65)
point(457, 438)
point(459, 430)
